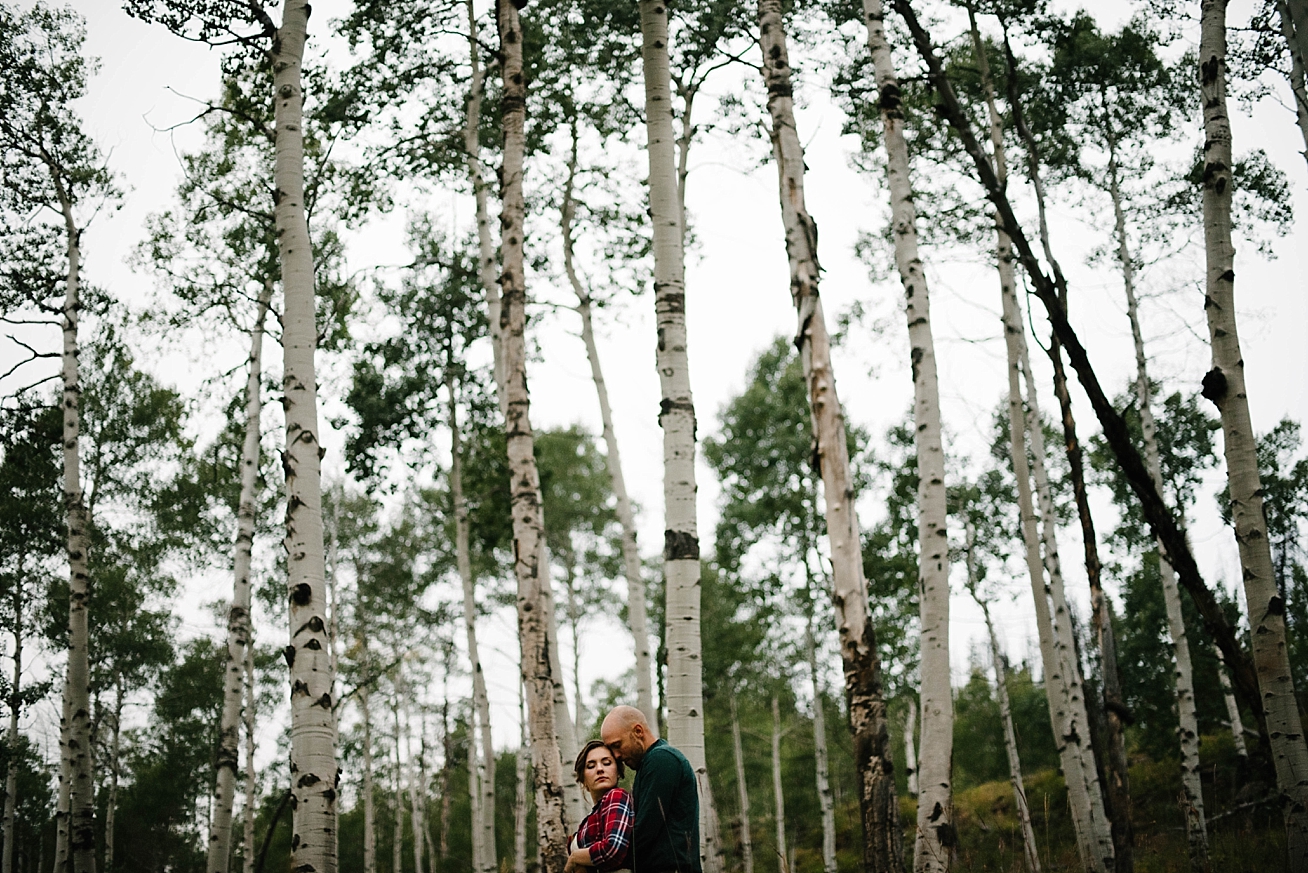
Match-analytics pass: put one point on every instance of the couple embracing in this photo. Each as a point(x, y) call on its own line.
point(654, 828)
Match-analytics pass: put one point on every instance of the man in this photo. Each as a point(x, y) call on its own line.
point(665, 836)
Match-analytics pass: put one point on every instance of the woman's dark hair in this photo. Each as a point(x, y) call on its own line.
point(579, 768)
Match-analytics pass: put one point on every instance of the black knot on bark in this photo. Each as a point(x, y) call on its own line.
point(519, 5)
point(680, 546)
point(936, 812)
point(307, 779)
point(325, 701)
point(1214, 385)
point(289, 654)
point(1209, 68)
point(313, 644)
point(301, 594)
point(947, 836)
point(1276, 606)
point(315, 624)
point(890, 99)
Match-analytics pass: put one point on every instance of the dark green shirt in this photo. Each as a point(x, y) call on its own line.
point(666, 834)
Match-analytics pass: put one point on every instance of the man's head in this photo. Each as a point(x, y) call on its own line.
point(628, 734)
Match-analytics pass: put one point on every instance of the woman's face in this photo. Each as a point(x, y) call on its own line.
point(601, 770)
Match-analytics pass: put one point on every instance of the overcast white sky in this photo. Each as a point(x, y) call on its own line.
point(738, 300)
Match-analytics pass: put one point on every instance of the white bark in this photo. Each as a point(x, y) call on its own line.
point(111, 802)
point(62, 862)
point(483, 841)
point(80, 840)
point(637, 615)
point(397, 836)
point(522, 774)
point(1225, 386)
point(935, 829)
point(481, 194)
point(475, 779)
point(826, 803)
point(1291, 30)
point(369, 810)
point(11, 738)
point(251, 788)
point(539, 670)
point(1031, 853)
point(238, 614)
point(779, 799)
point(742, 792)
point(1094, 842)
point(910, 746)
point(313, 723)
point(415, 805)
point(1232, 707)
point(1183, 674)
point(685, 697)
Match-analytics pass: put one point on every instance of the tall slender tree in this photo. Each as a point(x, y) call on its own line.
point(528, 526)
point(1224, 385)
point(936, 836)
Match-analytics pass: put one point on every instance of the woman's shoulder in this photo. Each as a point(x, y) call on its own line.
point(616, 794)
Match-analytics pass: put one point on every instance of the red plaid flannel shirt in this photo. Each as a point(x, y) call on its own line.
point(606, 831)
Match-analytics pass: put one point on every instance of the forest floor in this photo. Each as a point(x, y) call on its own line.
point(1244, 833)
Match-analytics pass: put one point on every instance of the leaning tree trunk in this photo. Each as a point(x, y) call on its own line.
point(528, 527)
point(77, 703)
point(484, 824)
point(637, 615)
point(685, 697)
point(313, 723)
point(251, 789)
point(935, 829)
point(1115, 431)
point(778, 795)
point(1031, 854)
point(238, 614)
point(1191, 785)
point(1076, 735)
point(826, 803)
point(1094, 855)
point(742, 791)
point(1117, 797)
point(11, 738)
point(1225, 386)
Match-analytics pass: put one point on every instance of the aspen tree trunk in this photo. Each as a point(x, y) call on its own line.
point(111, 803)
point(1289, 30)
point(742, 792)
point(424, 782)
point(397, 837)
point(779, 798)
point(522, 774)
point(1225, 386)
point(1232, 708)
point(910, 747)
point(480, 190)
point(483, 824)
point(1032, 855)
point(534, 627)
point(238, 614)
point(1114, 426)
point(1077, 720)
point(1183, 674)
point(1118, 795)
point(313, 724)
point(369, 810)
point(415, 807)
point(685, 698)
point(1094, 855)
point(826, 804)
point(11, 738)
point(936, 836)
point(475, 779)
point(637, 614)
point(79, 848)
point(251, 789)
point(574, 624)
point(447, 765)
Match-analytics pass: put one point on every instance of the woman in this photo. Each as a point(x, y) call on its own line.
point(603, 839)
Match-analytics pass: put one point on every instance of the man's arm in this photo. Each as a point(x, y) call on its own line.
point(659, 778)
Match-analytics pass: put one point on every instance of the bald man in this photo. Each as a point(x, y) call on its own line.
point(665, 836)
